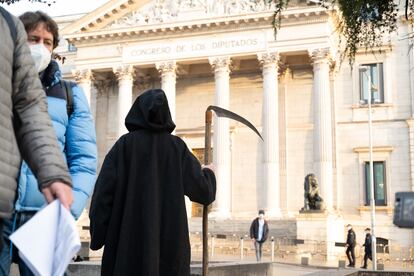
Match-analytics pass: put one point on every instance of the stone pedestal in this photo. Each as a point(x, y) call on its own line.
point(323, 229)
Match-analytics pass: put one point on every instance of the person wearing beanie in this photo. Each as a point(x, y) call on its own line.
point(259, 231)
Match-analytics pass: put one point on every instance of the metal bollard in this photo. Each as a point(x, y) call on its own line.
point(212, 246)
point(241, 248)
point(273, 249)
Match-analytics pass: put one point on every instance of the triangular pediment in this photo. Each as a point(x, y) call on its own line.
point(121, 14)
point(103, 16)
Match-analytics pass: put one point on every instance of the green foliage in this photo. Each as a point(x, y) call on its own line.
point(365, 23)
point(280, 5)
point(361, 23)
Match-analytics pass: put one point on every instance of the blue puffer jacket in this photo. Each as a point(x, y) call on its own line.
point(77, 139)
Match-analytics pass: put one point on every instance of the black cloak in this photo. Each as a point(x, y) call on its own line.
point(138, 208)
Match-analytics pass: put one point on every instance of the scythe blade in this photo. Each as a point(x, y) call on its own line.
point(220, 112)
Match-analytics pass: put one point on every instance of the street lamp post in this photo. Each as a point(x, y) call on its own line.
point(365, 69)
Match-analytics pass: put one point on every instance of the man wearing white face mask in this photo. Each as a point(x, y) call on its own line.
point(41, 56)
point(259, 230)
point(74, 128)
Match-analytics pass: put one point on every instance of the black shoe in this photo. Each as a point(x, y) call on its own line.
point(78, 259)
point(351, 265)
point(363, 267)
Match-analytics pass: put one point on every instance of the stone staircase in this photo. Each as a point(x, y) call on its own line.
point(285, 228)
point(225, 237)
point(226, 233)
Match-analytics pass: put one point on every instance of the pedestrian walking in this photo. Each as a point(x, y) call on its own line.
point(73, 126)
point(25, 126)
point(350, 246)
point(259, 231)
point(367, 247)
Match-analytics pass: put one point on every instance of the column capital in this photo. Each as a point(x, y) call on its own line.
point(166, 67)
point(124, 72)
point(103, 85)
point(220, 63)
point(82, 75)
point(321, 55)
point(268, 59)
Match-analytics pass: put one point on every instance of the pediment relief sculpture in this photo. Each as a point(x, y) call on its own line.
point(162, 11)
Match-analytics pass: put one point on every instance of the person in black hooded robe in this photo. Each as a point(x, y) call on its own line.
point(138, 209)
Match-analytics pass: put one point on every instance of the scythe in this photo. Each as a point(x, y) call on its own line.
point(220, 112)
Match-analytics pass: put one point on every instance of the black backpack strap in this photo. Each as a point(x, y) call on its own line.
point(7, 16)
point(69, 96)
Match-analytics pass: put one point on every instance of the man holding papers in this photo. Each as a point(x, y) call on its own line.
point(25, 125)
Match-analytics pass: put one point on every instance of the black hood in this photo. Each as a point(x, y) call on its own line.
point(150, 111)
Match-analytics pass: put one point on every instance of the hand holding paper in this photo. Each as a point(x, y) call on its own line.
point(61, 191)
point(57, 240)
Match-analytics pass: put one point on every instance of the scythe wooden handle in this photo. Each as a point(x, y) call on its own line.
point(220, 112)
point(207, 161)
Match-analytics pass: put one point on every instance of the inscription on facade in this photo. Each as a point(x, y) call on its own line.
point(179, 49)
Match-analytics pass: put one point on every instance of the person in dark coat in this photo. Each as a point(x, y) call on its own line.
point(259, 231)
point(138, 209)
point(350, 246)
point(367, 247)
point(25, 126)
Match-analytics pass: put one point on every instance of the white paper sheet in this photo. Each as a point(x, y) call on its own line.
point(48, 241)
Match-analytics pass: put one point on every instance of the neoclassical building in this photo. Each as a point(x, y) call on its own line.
point(310, 107)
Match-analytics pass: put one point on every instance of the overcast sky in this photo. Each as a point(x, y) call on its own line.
point(60, 7)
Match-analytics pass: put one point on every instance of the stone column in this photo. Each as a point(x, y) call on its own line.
point(124, 75)
point(283, 141)
point(221, 138)
point(270, 132)
point(84, 79)
point(168, 70)
point(322, 131)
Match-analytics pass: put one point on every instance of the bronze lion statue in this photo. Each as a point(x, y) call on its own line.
point(313, 201)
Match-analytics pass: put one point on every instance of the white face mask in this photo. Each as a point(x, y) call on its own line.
point(41, 56)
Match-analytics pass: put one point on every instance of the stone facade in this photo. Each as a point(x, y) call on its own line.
point(293, 89)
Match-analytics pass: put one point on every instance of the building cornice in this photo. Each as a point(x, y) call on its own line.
point(290, 17)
